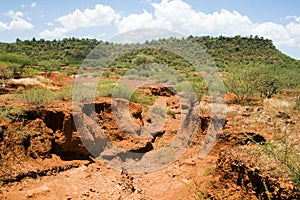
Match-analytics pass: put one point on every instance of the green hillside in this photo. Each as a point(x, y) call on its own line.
point(237, 57)
point(225, 51)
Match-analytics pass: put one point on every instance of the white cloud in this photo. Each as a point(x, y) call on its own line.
point(276, 32)
point(17, 22)
point(137, 21)
point(296, 18)
point(101, 15)
point(14, 15)
point(177, 15)
point(33, 5)
point(23, 6)
point(3, 26)
point(55, 33)
point(20, 24)
point(49, 23)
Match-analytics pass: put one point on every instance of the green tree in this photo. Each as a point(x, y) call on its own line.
point(244, 82)
point(241, 82)
point(267, 85)
point(142, 60)
point(50, 65)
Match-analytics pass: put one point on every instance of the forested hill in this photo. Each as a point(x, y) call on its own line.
point(233, 51)
point(225, 51)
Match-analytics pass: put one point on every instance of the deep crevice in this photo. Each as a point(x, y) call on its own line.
point(157, 134)
point(54, 120)
point(145, 149)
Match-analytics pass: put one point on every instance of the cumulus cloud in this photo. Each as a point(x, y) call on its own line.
point(55, 33)
point(33, 5)
point(16, 23)
point(177, 15)
point(101, 15)
point(138, 21)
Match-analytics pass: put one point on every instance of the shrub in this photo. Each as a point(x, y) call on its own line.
point(37, 96)
point(171, 113)
point(64, 94)
point(245, 82)
point(104, 90)
point(110, 88)
point(106, 73)
point(30, 72)
point(185, 89)
point(158, 111)
point(42, 96)
point(283, 149)
point(21, 60)
point(10, 113)
point(5, 73)
point(141, 98)
point(241, 82)
point(267, 85)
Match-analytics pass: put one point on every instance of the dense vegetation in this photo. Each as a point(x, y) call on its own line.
point(225, 51)
point(251, 65)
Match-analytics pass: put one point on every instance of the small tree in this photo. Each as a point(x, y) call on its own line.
point(267, 85)
point(242, 83)
point(251, 81)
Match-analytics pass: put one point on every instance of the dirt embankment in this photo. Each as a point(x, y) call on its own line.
point(43, 157)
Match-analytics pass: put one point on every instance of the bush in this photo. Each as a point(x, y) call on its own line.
point(143, 99)
point(284, 150)
point(245, 82)
point(241, 82)
point(158, 111)
point(30, 72)
point(110, 88)
point(37, 96)
point(21, 60)
point(64, 94)
point(106, 74)
point(171, 113)
point(42, 96)
point(5, 73)
point(10, 113)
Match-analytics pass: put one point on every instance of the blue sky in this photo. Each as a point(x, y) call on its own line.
point(102, 19)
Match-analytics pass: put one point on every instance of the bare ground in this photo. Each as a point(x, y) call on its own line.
point(42, 156)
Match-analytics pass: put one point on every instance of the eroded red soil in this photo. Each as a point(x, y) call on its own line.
point(43, 157)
